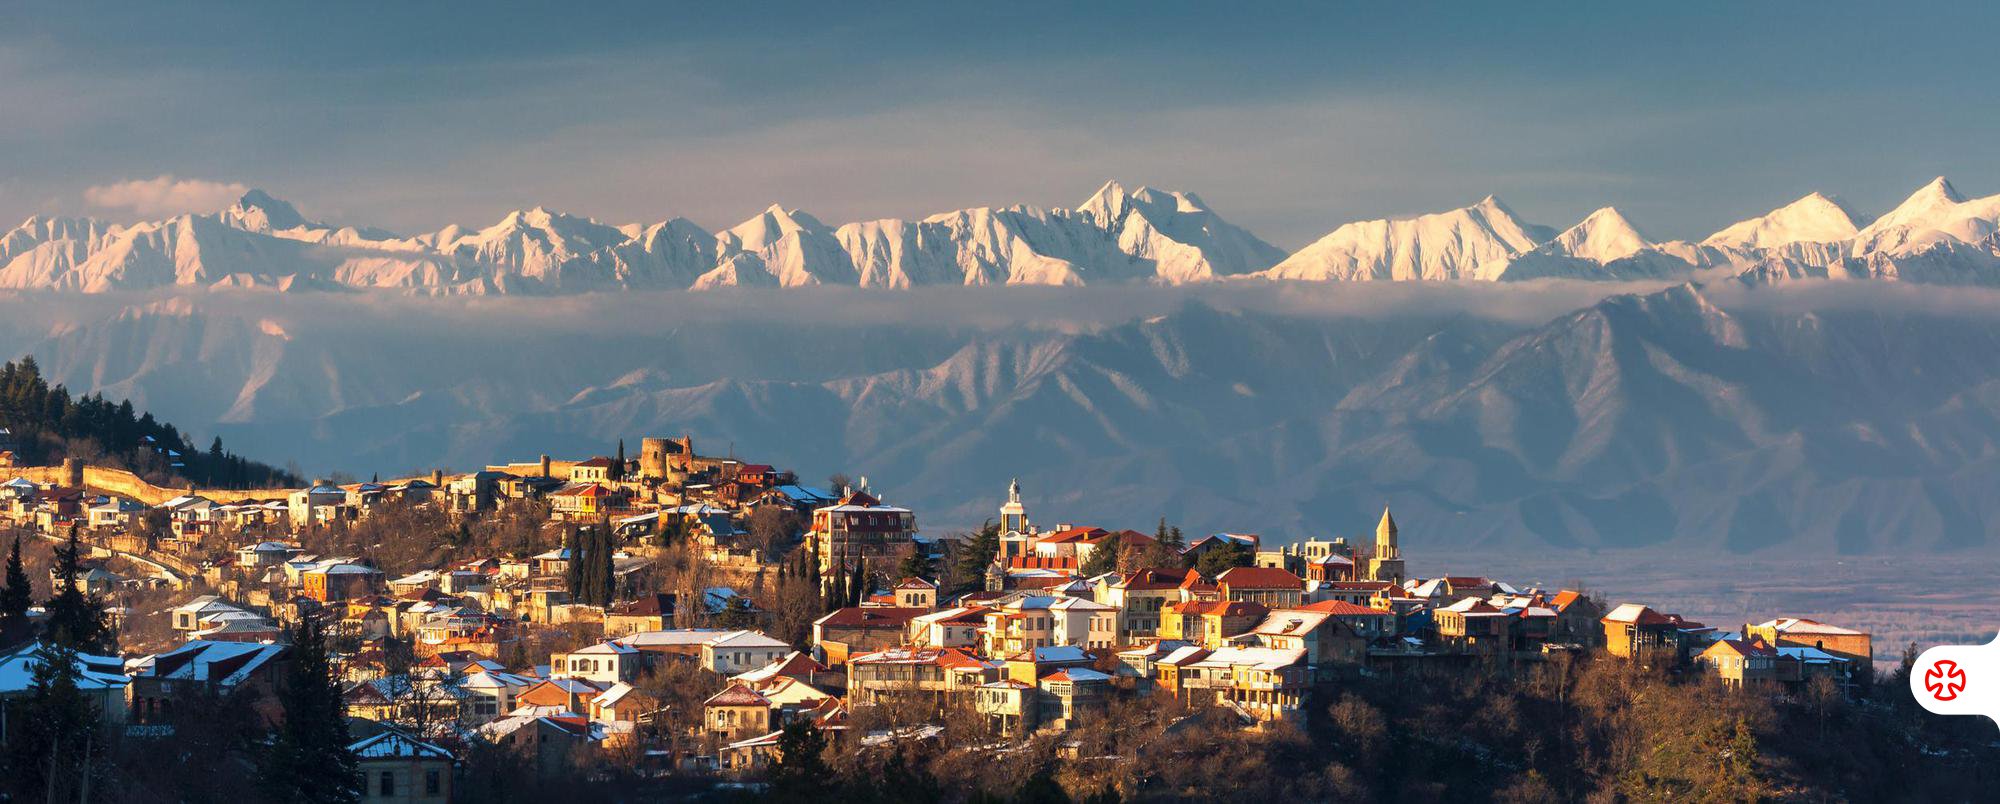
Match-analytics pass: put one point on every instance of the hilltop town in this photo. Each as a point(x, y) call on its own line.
point(682, 621)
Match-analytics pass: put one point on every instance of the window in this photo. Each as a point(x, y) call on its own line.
point(388, 786)
point(433, 783)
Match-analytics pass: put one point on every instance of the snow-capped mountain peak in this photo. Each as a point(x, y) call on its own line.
point(1815, 218)
point(257, 211)
point(1603, 236)
point(1444, 245)
point(1119, 234)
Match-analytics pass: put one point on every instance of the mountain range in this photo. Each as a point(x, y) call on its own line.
point(1116, 236)
point(1721, 417)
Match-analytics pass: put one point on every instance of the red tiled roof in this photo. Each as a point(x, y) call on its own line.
point(1151, 578)
point(1258, 578)
point(1565, 598)
point(1072, 535)
point(737, 695)
point(1341, 608)
point(871, 617)
point(1221, 607)
point(599, 462)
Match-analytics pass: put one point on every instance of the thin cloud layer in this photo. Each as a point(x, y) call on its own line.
point(164, 195)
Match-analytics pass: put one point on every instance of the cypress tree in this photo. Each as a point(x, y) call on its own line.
point(309, 761)
point(606, 568)
point(573, 569)
point(857, 587)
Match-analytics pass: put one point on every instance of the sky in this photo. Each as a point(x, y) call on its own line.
point(1288, 120)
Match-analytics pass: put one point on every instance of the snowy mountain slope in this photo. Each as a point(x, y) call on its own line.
point(1115, 236)
point(1814, 218)
point(1446, 245)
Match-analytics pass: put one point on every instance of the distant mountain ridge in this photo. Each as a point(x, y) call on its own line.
point(1694, 416)
point(1116, 236)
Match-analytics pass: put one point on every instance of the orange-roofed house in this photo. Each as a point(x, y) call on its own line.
point(586, 501)
point(1273, 587)
point(1576, 619)
point(1139, 596)
point(1063, 543)
point(1209, 623)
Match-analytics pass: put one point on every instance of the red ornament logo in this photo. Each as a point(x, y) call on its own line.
point(1944, 681)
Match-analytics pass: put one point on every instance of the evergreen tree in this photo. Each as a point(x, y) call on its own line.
point(1042, 788)
point(618, 469)
point(75, 619)
point(1103, 557)
point(916, 565)
point(973, 556)
point(737, 614)
point(857, 586)
point(836, 596)
point(801, 772)
point(607, 570)
point(309, 761)
point(573, 568)
point(16, 596)
point(57, 743)
point(1219, 559)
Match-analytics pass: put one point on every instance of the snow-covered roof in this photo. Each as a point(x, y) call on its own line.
point(394, 743)
point(17, 670)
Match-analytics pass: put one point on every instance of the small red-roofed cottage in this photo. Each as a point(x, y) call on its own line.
point(737, 713)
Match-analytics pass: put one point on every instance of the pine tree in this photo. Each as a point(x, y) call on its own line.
point(75, 619)
point(737, 614)
point(15, 599)
point(801, 772)
point(309, 761)
point(58, 740)
point(975, 554)
point(916, 565)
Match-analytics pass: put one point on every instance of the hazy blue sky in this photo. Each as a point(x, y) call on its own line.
point(1287, 121)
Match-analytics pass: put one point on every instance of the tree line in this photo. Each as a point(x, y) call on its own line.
point(50, 423)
